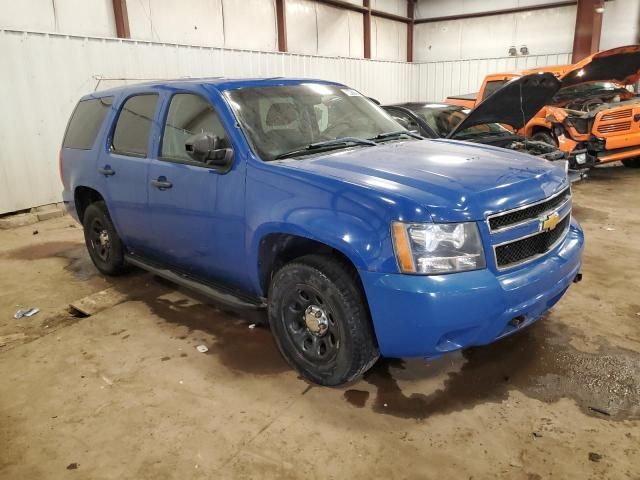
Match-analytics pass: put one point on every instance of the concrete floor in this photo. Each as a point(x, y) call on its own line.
point(124, 393)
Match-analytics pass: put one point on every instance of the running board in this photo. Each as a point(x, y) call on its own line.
point(218, 294)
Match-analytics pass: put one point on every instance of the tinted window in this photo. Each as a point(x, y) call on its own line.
point(444, 118)
point(85, 123)
point(491, 87)
point(131, 135)
point(188, 115)
point(405, 120)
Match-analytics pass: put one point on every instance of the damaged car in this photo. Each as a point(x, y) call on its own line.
point(512, 106)
point(594, 116)
point(594, 109)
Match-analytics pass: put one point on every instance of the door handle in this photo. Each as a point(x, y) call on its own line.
point(107, 171)
point(161, 183)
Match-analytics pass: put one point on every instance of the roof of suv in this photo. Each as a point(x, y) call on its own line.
point(219, 83)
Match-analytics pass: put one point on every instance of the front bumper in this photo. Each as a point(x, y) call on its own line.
point(425, 316)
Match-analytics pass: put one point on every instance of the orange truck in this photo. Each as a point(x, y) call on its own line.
point(594, 117)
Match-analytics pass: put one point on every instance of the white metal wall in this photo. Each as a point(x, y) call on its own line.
point(543, 31)
point(437, 80)
point(43, 75)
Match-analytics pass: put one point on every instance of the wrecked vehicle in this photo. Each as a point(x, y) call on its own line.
point(484, 124)
point(594, 117)
point(304, 198)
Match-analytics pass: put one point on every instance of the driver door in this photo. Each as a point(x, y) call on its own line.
point(195, 208)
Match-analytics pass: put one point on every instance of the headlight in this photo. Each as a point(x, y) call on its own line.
point(581, 158)
point(432, 248)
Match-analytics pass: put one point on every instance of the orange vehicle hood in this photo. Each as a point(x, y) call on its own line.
point(619, 65)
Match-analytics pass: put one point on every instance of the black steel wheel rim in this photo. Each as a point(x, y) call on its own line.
point(317, 345)
point(100, 239)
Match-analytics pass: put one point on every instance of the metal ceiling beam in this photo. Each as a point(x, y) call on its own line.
point(365, 9)
point(122, 18)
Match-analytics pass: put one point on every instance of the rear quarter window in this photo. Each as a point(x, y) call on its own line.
point(492, 86)
point(85, 123)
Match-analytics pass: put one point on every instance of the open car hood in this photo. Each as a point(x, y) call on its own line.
point(503, 106)
point(620, 65)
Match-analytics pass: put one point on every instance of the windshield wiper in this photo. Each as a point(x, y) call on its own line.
point(396, 134)
point(326, 145)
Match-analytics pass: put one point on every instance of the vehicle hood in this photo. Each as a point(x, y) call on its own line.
point(620, 65)
point(451, 180)
point(504, 105)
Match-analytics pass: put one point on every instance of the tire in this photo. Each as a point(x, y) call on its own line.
point(103, 243)
point(631, 162)
point(336, 345)
point(545, 137)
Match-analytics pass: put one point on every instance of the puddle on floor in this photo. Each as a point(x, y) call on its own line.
point(75, 253)
point(538, 362)
point(225, 332)
point(587, 214)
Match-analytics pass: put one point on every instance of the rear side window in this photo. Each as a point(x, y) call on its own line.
point(131, 135)
point(492, 86)
point(85, 123)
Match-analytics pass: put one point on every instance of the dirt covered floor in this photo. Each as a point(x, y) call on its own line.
point(123, 393)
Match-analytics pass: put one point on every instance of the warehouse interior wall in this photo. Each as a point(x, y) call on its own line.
point(312, 28)
point(315, 29)
point(78, 17)
point(620, 23)
point(543, 32)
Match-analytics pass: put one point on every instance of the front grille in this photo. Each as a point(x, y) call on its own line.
point(514, 217)
point(614, 127)
point(616, 115)
point(524, 249)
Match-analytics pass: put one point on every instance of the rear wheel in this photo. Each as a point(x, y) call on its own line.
point(545, 137)
point(320, 321)
point(105, 247)
point(632, 162)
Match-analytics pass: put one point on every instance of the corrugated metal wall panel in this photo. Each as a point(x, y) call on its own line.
point(437, 80)
point(41, 92)
point(43, 76)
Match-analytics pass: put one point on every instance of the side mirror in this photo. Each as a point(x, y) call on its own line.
point(208, 149)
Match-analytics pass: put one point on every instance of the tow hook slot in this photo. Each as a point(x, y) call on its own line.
point(517, 321)
point(577, 278)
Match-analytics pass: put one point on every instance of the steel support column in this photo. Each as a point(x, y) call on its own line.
point(410, 14)
point(367, 29)
point(586, 37)
point(122, 18)
point(281, 20)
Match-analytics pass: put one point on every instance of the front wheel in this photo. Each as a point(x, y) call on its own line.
point(320, 321)
point(103, 243)
point(632, 162)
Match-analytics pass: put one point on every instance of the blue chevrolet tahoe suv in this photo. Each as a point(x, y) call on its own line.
point(305, 198)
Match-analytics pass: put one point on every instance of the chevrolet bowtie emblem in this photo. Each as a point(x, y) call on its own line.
point(549, 222)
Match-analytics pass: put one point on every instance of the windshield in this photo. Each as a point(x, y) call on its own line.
point(279, 120)
point(585, 89)
point(444, 118)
